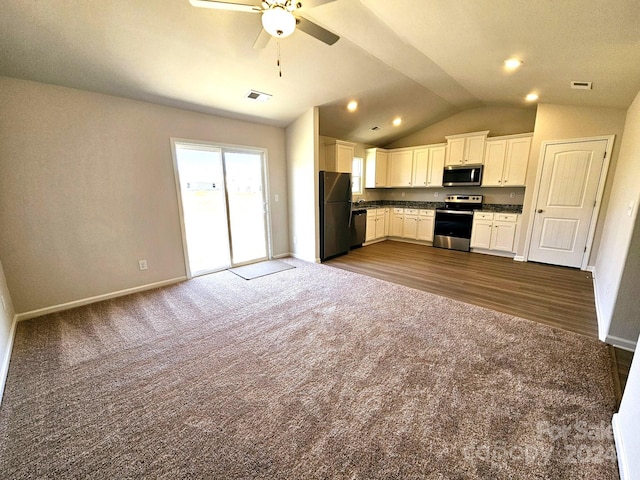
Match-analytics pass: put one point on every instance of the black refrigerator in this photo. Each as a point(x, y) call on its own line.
point(335, 214)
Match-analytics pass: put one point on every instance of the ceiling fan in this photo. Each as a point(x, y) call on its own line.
point(279, 18)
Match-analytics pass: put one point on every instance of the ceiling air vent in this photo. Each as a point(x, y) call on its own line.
point(581, 85)
point(258, 96)
point(375, 129)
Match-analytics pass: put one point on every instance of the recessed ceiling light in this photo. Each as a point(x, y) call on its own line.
point(397, 121)
point(512, 64)
point(352, 106)
point(532, 97)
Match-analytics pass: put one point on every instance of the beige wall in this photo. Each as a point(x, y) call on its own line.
point(87, 189)
point(618, 261)
point(302, 170)
point(6, 329)
point(560, 122)
point(498, 120)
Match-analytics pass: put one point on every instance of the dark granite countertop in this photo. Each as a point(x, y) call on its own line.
point(487, 207)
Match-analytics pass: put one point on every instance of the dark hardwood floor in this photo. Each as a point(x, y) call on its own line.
point(557, 296)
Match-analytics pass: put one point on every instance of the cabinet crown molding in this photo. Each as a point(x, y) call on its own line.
point(507, 137)
point(470, 134)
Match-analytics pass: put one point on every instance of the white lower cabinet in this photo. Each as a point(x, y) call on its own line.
point(426, 223)
point(494, 231)
point(396, 226)
point(413, 223)
point(377, 223)
point(371, 225)
point(410, 223)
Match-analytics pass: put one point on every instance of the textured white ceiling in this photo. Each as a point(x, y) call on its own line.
point(419, 60)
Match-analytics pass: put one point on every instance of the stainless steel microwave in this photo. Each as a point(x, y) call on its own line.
point(462, 175)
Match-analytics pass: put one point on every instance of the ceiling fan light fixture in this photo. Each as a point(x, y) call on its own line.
point(278, 22)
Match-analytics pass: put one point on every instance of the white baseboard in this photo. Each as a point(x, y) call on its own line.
point(623, 464)
point(98, 298)
point(622, 343)
point(282, 255)
point(4, 366)
point(519, 258)
point(602, 328)
point(495, 253)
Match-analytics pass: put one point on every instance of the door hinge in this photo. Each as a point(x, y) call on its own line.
point(605, 155)
point(585, 249)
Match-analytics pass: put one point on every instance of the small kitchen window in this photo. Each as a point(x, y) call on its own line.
point(356, 176)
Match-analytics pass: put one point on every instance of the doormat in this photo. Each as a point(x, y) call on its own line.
point(255, 270)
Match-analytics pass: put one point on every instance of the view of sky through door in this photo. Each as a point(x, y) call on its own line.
point(245, 193)
point(204, 209)
point(223, 205)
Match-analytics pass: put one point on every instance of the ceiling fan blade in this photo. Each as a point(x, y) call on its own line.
point(307, 4)
point(238, 7)
point(316, 31)
point(262, 40)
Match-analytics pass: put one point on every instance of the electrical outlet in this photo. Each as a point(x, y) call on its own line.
point(512, 195)
point(142, 264)
point(435, 194)
point(402, 194)
point(276, 198)
point(630, 208)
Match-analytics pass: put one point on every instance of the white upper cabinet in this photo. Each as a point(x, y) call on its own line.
point(428, 164)
point(437, 155)
point(420, 167)
point(466, 149)
point(400, 167)
point(339, 156)
point(377, 161)
point(506, 161)
point(494, 163)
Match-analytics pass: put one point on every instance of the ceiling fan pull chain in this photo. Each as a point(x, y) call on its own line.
point(279, 66)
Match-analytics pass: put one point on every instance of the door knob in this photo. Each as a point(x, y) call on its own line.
point(540, 210)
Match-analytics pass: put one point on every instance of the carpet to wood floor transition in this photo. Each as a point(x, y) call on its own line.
point(311, 373)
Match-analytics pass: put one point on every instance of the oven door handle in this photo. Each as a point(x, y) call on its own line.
point(455, 212)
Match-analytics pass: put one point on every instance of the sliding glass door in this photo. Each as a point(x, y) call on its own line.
point(247, 208)
point(222, 200)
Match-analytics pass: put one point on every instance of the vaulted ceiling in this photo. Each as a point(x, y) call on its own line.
point(415, 59)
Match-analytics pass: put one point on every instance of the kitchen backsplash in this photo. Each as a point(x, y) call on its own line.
point(486, 207)
point(491, 195)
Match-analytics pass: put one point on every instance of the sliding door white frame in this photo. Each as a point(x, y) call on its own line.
point(230, 148)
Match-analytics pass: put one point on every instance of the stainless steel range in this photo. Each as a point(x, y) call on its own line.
point(454, 221)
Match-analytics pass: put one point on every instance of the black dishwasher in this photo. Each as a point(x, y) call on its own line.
point(358, 227)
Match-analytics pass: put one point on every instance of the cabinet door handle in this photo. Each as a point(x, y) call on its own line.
point(540, 210)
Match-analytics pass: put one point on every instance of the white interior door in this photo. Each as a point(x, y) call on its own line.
point(566, 201)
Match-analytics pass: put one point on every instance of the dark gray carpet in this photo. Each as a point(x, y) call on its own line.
point(312, 373)
point(261, 269)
